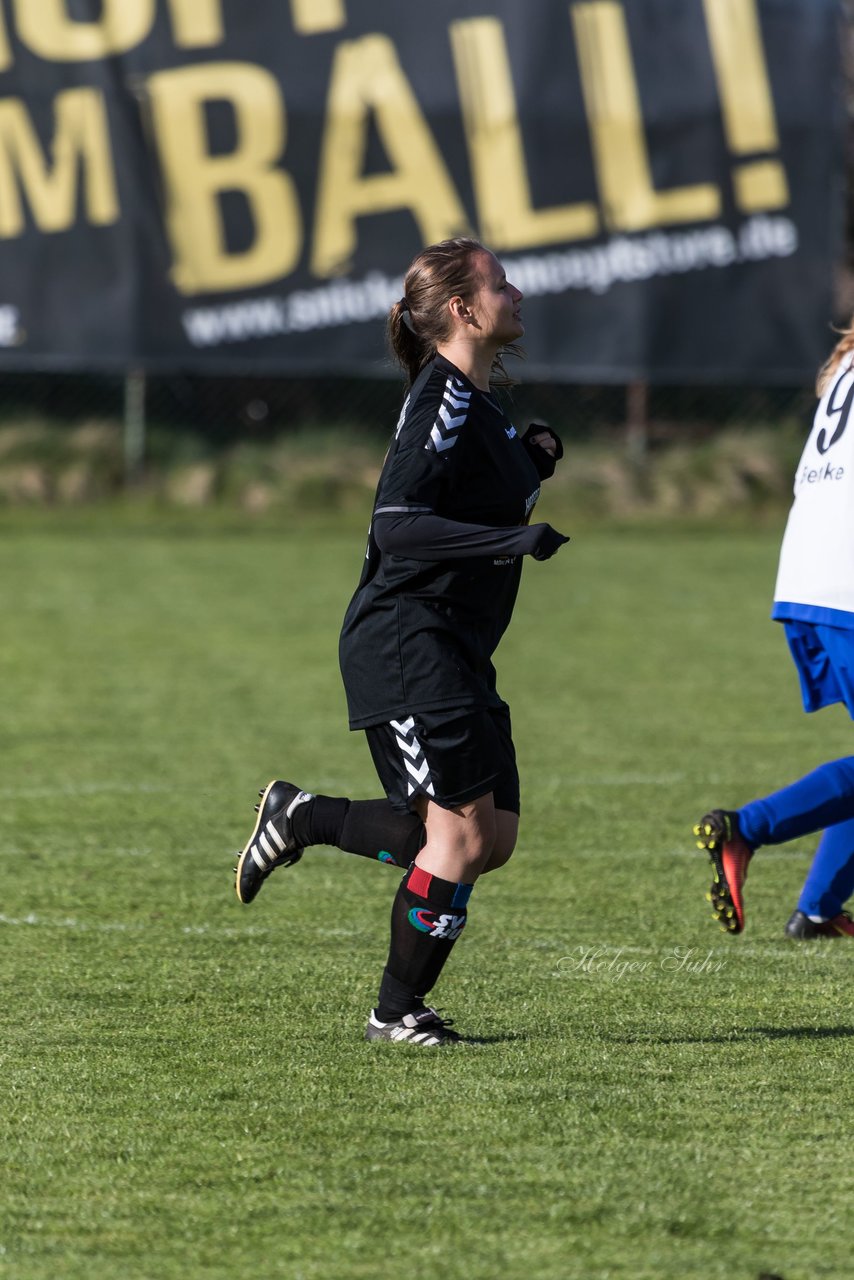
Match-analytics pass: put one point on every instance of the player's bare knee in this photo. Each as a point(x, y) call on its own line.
point(500, 856)
point(506, 831)
point(478, 853)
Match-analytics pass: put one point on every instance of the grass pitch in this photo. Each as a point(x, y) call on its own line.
point(186, 1092)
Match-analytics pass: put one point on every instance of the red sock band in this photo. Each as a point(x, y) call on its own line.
point(419, 881)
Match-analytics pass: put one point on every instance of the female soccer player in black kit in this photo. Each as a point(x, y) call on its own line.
point(450, 526)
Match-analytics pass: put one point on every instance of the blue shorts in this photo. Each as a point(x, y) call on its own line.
point(824, 657)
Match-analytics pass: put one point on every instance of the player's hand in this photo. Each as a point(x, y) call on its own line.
point(544, 448)
point(546, 441)
point(548, 541)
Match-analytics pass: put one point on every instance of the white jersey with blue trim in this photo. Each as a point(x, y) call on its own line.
point(815, 578)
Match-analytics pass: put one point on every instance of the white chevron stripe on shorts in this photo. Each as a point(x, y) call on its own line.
point(419, 780)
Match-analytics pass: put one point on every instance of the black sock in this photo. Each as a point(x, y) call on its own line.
point(369, 828)
point(427, 917)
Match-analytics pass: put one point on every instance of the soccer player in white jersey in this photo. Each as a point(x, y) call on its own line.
point(814, 600)
point(451, 525)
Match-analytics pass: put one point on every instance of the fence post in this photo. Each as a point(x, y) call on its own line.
point(134, 424)
point(637, 420)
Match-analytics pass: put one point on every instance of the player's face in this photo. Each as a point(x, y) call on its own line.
point(496, 304)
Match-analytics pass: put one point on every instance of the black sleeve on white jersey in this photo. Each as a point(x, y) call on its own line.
point(424, 536)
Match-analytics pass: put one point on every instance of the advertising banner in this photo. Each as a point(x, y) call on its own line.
point(236, 186)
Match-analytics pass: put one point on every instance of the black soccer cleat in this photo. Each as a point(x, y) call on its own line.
point(729, 854)
point(272, 843)
point(423, 1027)
point(800, 927)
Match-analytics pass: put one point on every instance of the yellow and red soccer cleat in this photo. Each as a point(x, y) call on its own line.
point(729, 853)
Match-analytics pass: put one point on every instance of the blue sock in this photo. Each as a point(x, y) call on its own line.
point(821, 799)
point(830, 882)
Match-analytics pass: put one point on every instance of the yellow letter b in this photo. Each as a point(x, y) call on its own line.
point(195, 179)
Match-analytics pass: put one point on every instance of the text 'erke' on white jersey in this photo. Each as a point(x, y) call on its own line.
point(815, 578)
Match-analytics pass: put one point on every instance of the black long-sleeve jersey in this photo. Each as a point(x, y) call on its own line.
point(443, 563)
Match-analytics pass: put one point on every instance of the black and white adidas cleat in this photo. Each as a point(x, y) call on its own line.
point(424, 1027)
point(272, 843)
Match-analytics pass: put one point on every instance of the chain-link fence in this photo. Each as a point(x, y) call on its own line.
point(263, 442)
point(224, 411)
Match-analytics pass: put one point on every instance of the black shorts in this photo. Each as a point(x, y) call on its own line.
point(452, 757)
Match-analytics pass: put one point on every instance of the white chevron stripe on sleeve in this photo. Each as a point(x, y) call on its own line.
point(452, 423)
point(452, 415)
point(441, 442)
point(402, 417)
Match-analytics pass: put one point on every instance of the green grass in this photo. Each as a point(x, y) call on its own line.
point(186, 1090)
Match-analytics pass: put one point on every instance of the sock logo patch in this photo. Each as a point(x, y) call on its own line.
point(442, 925)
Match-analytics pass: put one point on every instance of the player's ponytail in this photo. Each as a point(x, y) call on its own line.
point(420, 320)
point(409, 350)
point(843, 348)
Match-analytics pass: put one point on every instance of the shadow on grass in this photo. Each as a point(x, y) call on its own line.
point(742, 1033)
point(508, 1037)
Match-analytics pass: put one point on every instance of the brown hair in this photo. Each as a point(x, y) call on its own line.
point(420, 320)
point(844, 347)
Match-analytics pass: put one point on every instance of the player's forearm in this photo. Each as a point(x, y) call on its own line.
point(426, 536)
